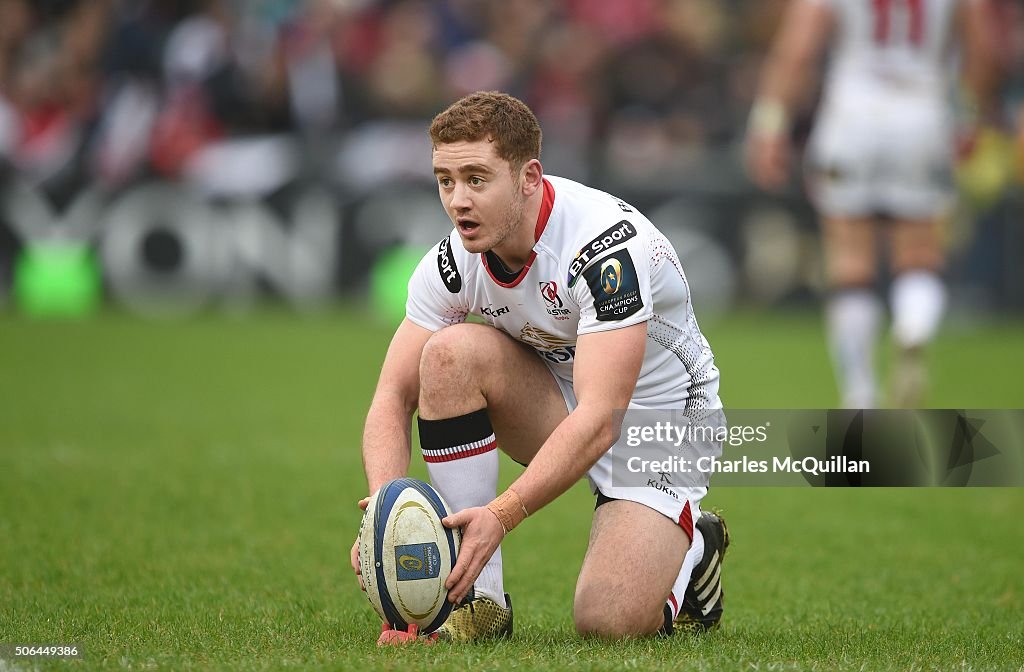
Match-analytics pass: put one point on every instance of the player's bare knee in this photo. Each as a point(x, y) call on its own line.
point(608, 625)
point(447, 353)
point(445, 363)
point(596, 613)
point(589, 624)
point(594, 619)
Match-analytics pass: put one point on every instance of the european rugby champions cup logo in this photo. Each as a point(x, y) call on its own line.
point(611, 275)
point(417, 561)
point(615, 286)
point(554, 306)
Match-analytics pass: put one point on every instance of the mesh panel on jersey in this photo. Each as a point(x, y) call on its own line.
point(660, 250)
point(674, 340)
point(688, 345)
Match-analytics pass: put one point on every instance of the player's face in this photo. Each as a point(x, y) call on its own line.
point(479, 192)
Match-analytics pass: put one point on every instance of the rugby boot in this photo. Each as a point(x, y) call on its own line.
point(477, 619)
point(704, 600)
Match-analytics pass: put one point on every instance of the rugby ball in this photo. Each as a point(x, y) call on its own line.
point(406, 554)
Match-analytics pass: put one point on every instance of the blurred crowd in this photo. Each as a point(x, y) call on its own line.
point(115, 89)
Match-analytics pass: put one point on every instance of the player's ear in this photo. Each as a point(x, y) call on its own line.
point(531, 177)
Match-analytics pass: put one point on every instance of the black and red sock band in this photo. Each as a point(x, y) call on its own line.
point(454, 438)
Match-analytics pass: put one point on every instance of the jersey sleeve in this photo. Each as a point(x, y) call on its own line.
point(614, 289)
point(436, 290)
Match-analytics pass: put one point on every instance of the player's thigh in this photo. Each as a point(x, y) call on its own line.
point(634, 556)
point(523, 401)
point(839, 182)
point(850, 250)
point(916, 245)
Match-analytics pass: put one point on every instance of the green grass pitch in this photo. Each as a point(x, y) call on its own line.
point(183, 497)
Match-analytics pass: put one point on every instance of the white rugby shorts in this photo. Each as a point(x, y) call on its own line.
point(680, 504)
point(875, 154)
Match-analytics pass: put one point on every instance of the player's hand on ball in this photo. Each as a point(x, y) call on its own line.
point(355, 549)
point(481, 535)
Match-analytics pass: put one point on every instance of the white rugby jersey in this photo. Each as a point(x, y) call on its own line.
point(597, 265)
point(898, 45)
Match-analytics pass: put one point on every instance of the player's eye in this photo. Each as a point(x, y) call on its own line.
point(445, 182)
point(476, 181)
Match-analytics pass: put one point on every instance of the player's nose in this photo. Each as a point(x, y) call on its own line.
point(461, 198)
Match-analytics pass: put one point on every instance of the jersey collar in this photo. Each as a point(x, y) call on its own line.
point(546, 205)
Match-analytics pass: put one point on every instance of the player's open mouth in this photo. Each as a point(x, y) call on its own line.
point(467, 226)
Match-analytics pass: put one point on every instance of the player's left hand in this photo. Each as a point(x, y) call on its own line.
point(481, 535)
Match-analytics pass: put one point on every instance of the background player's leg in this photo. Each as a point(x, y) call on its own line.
point(478, 389)
point(853, 310)
point(918, 299)
point(633, 560)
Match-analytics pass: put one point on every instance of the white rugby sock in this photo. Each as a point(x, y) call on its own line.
point(852, 321)
point(918, 300)
point(462, 460)
point(692, 558)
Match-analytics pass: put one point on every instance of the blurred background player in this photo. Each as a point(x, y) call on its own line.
point(880, 162)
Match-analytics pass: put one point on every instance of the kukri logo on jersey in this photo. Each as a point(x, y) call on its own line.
point(492, 312)
point(606, 240)
point(447, 268)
